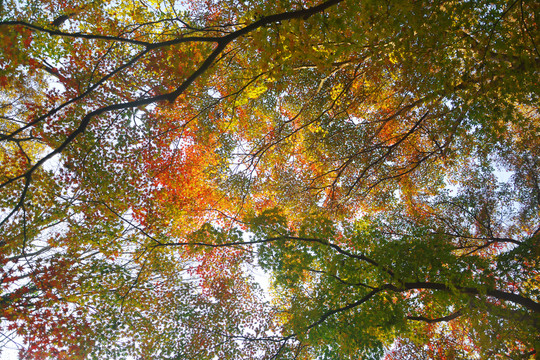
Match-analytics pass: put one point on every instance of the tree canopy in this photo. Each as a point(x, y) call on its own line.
point(379, 160)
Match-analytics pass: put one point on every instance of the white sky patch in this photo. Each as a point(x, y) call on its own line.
point(9, 352)
point(263, 279)
point(53, 164)
point(503, 176)
point(214, 93)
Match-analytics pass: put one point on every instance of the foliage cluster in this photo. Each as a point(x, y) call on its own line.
point(380, 160)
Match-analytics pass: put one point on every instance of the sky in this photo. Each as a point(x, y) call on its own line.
point(9, 353)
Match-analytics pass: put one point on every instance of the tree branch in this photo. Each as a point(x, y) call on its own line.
point(498, 294)
point(430, 321)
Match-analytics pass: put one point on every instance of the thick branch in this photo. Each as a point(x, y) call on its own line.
point(74, 35)
point(282, 238)
point(357, 303)
point(498, 294)
point(430, 321)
